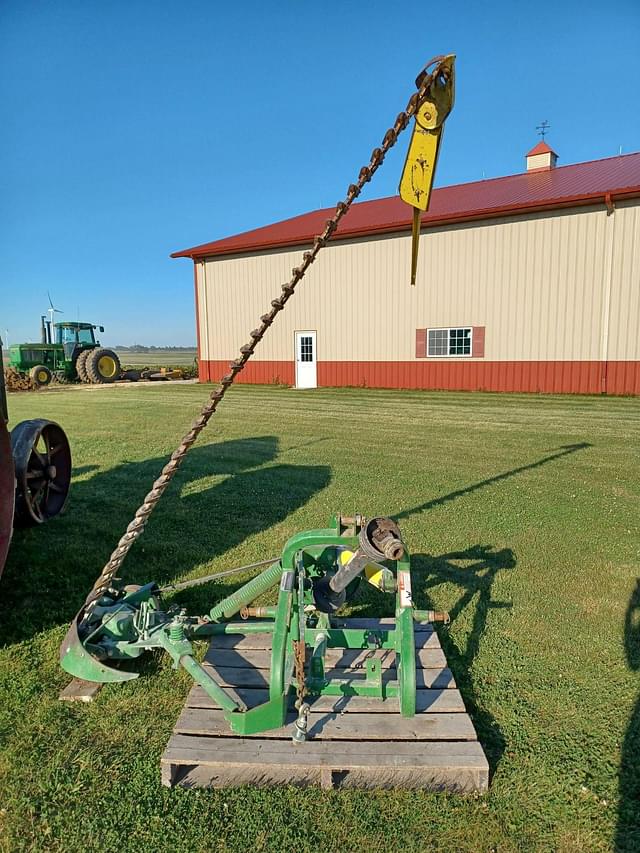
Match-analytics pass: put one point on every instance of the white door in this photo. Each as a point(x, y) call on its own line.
point(306, 376)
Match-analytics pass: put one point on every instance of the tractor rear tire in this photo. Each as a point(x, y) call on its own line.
point(81, 365)
point(103, 366)
point(40, 375)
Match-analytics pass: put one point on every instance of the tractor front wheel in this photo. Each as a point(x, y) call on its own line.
point(42, 460)
point(103, 366)
point(40, 375)
point(81, 365)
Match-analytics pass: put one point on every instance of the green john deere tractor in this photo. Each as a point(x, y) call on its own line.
point(75, 354)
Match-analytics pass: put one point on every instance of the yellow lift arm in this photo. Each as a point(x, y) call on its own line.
point(422, 156)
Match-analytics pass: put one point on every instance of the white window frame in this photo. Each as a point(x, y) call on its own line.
point(448, 330)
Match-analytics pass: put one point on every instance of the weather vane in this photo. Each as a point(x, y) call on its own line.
point(542, 128)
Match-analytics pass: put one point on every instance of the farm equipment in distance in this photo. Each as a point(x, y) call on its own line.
point(35, 472)
point(74, 354)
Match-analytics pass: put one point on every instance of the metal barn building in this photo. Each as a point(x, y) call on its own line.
point(525, 283)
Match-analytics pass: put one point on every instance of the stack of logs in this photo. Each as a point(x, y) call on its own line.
point(15, 381)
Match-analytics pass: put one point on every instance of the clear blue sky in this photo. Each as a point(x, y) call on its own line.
point(133, 129)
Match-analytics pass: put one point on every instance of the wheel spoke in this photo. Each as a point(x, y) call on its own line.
point(35, 474)
point(44, 438)
point(55, 487)
point(36, 509)
point(54, 450)
point(38, 493)
point(41, 459)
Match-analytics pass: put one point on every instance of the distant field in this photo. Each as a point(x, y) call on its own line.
point(159, 358)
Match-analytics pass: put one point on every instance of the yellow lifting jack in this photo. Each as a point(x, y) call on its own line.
point(422, 156)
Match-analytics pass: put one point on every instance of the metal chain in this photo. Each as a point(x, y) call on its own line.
point(137, 525)
point(299, 654)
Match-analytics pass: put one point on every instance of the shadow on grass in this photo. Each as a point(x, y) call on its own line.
point(563, 450)
point(628, 829)
point(50, 569)
point(475, 579)
point(473, 571)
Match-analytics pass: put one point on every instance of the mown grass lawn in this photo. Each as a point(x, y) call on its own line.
point(522, 512)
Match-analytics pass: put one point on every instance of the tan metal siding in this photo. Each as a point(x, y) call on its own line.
point(624, 309)
point(538, 161)
point(537, 283)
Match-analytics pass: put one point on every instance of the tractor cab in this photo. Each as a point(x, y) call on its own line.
point(76, 337)
point(76, 333)
point(83, 355)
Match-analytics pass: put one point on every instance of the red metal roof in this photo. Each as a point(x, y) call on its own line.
point(541, 148)
point(567, 186)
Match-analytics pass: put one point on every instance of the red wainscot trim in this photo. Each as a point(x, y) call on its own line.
point(255, 372)
point(549, 377)
point(552, 377)
point(623, 377)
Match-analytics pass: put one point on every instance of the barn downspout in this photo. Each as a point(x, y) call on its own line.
point(608, 280)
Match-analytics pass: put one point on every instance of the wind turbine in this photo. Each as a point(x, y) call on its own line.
point(52, 311)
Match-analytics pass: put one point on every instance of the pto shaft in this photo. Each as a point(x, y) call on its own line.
point(379, 539)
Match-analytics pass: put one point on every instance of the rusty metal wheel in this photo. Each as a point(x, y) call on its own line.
point(42, 459)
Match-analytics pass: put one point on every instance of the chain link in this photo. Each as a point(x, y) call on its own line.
point(134, 530)
point(299, 655)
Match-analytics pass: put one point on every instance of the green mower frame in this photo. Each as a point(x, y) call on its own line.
point(122, 625)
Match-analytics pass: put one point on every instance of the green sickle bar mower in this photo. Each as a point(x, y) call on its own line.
point(318, 570)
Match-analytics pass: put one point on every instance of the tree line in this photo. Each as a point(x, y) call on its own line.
point(141, 348)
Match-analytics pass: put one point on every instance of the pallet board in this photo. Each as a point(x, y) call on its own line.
point(353, 741)
point(78, 690)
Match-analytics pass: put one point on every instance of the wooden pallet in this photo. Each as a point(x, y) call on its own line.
point(352, 741)
point(78, 690)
